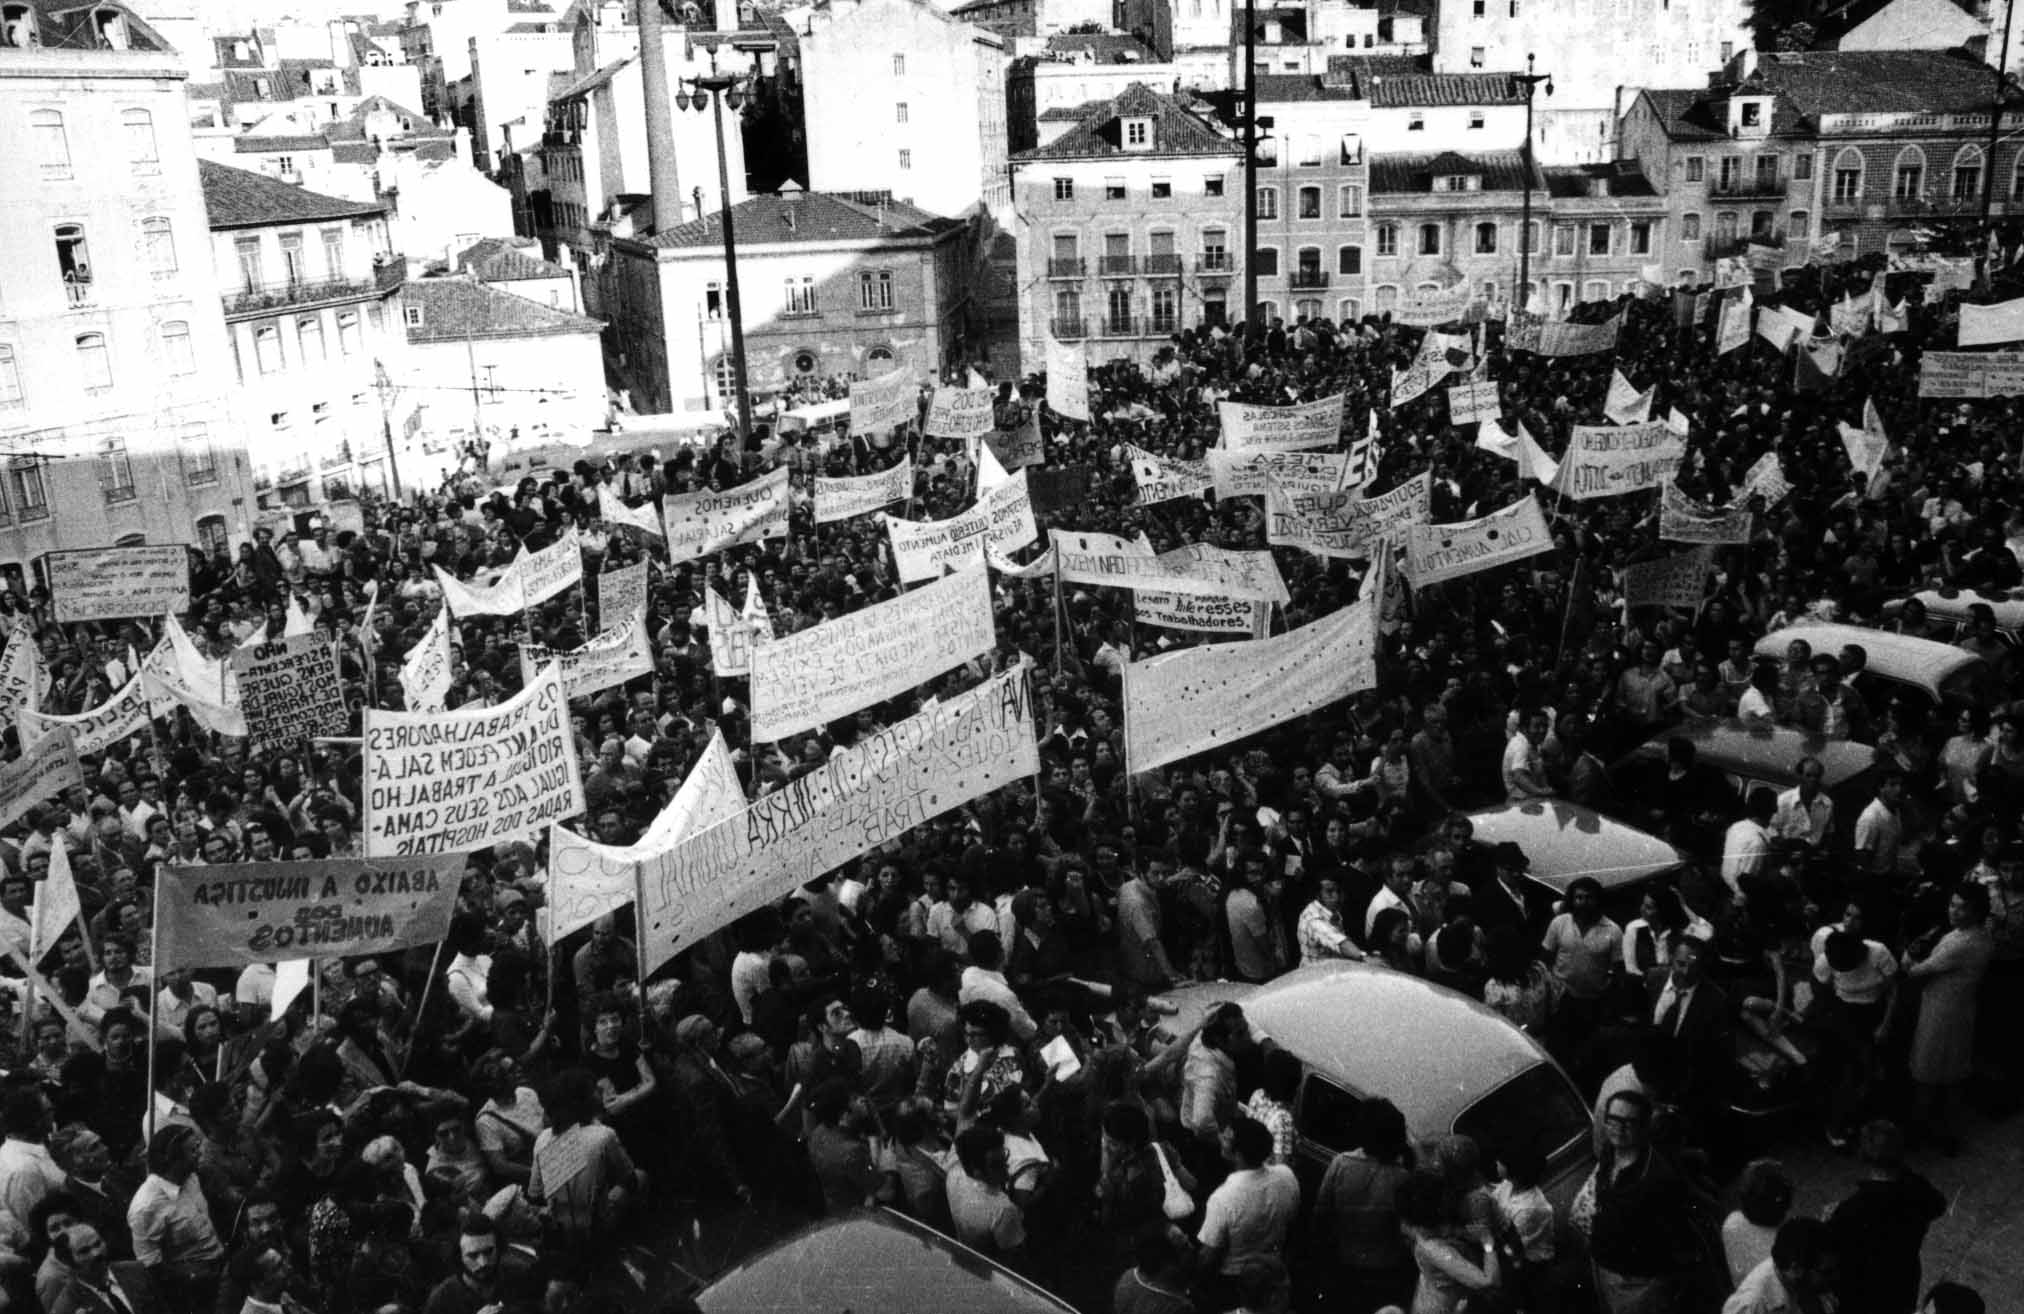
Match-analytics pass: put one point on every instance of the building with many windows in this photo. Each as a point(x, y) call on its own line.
point(829, 286)
point(1130, 228)
point(116, 416)
point(1313, 202)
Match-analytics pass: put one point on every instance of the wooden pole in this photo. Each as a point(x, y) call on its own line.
point(421, 1003)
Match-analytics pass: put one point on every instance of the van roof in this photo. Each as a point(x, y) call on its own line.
point(1564, 840)
point(1922, 663)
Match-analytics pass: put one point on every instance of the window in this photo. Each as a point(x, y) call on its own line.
point(1416, 121)
point(1352, 148)
point(1697, 168)
point(725, 377)
point(875, 290)
point(1163, 188)
point(1690, 228)
point(1310, 152)
point(900, 112)
point(1117, 309)
point(1761, 223)
point(1598, 239)
point(1064, 189)
point(250, 272)
point(414, 317)
point(1967, 173)
point(52, 144)
point(1348, 202)
point(899, 66)
point(1212, 185)
point(906, 158)
point(211, 536)
point(94, 362)
point(1486, 239)
point(267, 348)
point(1327, 1114)
point(1799, 225)
point(1268, 202)
point(1475, 120)
point(1348, 311)
point(309, 338)
point(1563, 239)
point(1138, 134)
point(1475, 56)
point(1349, 260)
point(1265, 260)
point(1310, 203)
point(139, 126)
point(31, 498)
point(1430, 239)
point(1166, 308)
point(115, 471)
point(1728, 51)
point(1753, 113)
point(1113, 189)
point(73, 262)
point(1802, 165)
point(1641, 237)
point(1531, 237)
point(1215, 251)
point(292, 268)
point(10, 377)
point(1731, 170)
point(1067, 312)
point(800, 296)
point(1909, 180)
point(1725, 226)
point(333, 252)
point(1848, 176)
point(1387, 239)
point(158, 246)
point(347, 332)
point(176, 352)
point(1767, 172)
point(880, 356)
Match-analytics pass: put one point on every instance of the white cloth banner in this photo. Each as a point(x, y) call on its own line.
point(814, 676)
point(1001, 522)
point(426, 670)
point(699, 524)
point(1183, 611)
point(732, 636)
point(456, 781)
point(1683, 520)
point(176, 675)
point(1206, 699)
point(613, 657)
point(21, 682)
point(1440, 355)
point(1680, 580)
point(123, 714)
point(1732, 325)
point(1253, 572)
point(1604, 461)
point(499, 595)
point(1067, 380)
point(858, 495)
point(891, 781)
point(1245, 474)
point(117, 582)
point(1625, 404)
point(611, 509)
point(878, 404)
point(620, 593)
point(1249, 428)
point(1345, 525)
point(1435, 553)
point(961, 413)
point(550, 571)
point(1164, 478)
point(1107, 561)
point(1982, 326)
point(1426, 309)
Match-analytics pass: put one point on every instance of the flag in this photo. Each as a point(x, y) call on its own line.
point(298, 619)
point(613, 511)
point(977, 381)
point(990, 473)
point(56, 904)
point(1891, 319)
point(1363, 457)
point(755, 615)
point(1625, 404)
point(1533, 462)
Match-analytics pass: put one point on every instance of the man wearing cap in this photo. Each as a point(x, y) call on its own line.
point(1509, 898)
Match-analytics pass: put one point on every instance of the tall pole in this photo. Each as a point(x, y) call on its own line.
point(1989, 165)
point(714, 87)
point(663, 177)
point(1251, 169)
point(1522, 295)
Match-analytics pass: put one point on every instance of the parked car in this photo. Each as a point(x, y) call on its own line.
point(1948, 609)
point(1768, 758)
point(1941, 677)
point(1564, 840)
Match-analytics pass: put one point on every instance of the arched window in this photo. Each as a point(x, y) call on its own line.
point(158, 245)
point(52, 142)
point(140, 137)
point(1967, 179)
point(1384, 298)
point(94, 362)
point(881, 358)
point(1908, 175)
point(176, 350)
point(1847, 176)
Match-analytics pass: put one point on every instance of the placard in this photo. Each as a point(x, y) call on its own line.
point(1436, 553)
point(1163, 478)
point(1002, 520)
point(1971, 374)
point(1107, 561)
point(292, 691)
point(241, 914)
point(613, 657)
point(550, 571)
point(878, 404)
point(92, 584)
point(1202, 615)
point(814, 676)
point(1680, 580)
point(961, 412)
point(702, 523)
point(1440, 355)
point(860, 495)
point(472, 778)
point(1250, 428)
point(428, 670)
point(1766, 477)
point(732, 636)
point(620, 593)
point(1067, 381)
point(1983, 326)
point(1245, 474)
point(1426, 309)
point(44, 770)
point(1604, 461)
point(1543, 338)
point(1473, 403)
point(1345, 525)
point(1018, 448)
point(1732, 325)
point(1683, 520)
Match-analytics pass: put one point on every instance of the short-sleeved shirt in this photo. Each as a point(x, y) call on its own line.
point(1249, 1214)
point(1864, 984)
point(574, 1170)
point(984, 1217)
point(1582, 959)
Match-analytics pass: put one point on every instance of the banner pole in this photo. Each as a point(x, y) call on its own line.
point(421, 1003)
point(154, 1005)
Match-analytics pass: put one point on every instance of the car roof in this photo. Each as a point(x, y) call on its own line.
point(1924, 663)
point(1564, 840)
point(875, 1262)
point(1767, 753)
point(1366, 1028)
point(1953, 604)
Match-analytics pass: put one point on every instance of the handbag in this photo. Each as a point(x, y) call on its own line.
point(1175, 1203)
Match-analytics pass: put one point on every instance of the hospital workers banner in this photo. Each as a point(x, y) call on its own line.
point(1001, 522)
point(1607, 461)
point(1245, 474)
point(1164, 478)
point(246, 913)
point(1067, 381)
point(1249, 428)
point(45, 769)
point(814, 676)
point(1345, 525)
point(860, 495)
point(469, 779)
point(878, 404)
point(889, 782)
point(291, 691)
point(961, 412)
point(587, 880)
point(122, 715)
point(1680, 580)
point(1683, 520)
point(706, 522)
point(1437, 553)
point(1985, 326)
point(115, 583)
point(1107, 561)
point(1971, 374)
point(1248, 572)
point(1205, 699)
point(620, 593)
point(613, 657)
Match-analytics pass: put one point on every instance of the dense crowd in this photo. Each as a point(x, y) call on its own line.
point(963, 1025)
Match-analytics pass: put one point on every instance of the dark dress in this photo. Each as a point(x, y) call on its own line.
point(1881, 1228)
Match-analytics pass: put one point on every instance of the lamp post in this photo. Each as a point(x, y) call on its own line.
point(1254, 331)
point(714, 90)
point(1530, 80)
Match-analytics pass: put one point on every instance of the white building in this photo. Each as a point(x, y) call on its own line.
point(116, 417)
point(509, 86)
point(899, 97)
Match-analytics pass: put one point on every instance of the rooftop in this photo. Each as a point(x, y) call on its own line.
point(798, 216)
point(453, 309)
point(1101, 47)
point(1292, 25)
point(255, 144)
point(240, 198)
point(72, 25)
point(497, 260)
point(1501, 171)
point(1177, 130)
point(1624, 177)
point(1408, 82)
point(1809, 85)
point(1282, 88)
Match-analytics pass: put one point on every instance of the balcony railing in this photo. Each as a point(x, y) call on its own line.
point(1933, 205)
point(1161, 325)
point(1165, 264)
point(1718, 247)
point(1213, 262)
point(1736, 188)
point(1308, 278)
point(1119, 326)
point(1066, 267)
point(77, 291)
point(1067, 330)
point(301, 292)
point(1117, 266)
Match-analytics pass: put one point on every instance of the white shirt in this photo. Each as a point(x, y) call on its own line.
point(980, 983)
point(1745, 846)
point(1524, 770)
point(1803, 821)
point(1383, 899)
point(466, 980)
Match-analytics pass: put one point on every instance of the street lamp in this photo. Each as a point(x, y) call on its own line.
point(1530, 80)
point(714, 90)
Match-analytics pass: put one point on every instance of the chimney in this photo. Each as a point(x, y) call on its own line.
point(661, 169)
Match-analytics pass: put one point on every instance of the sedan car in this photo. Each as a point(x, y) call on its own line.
point(1565, 840)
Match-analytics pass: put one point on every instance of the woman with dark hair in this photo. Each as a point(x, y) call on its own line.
point(1663, 920)
point(1453, 1263)
point(586, 1206)
point(1366, 1262)
point(1517, 983)
point(1039, 949)
point(1950, 969)
point(1391, 940)
point(989, 1061)
point(204, 1043)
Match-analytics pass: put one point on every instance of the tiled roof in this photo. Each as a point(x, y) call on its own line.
point(281, 84)
point(1501, 171)
point(306, 64)
point(1176, 130)
point(1282, 88)
point(223, 49)
point(240, 198)
point(1876, 81)
point(1406, 82)
point(1103, 47)
point(1684, 115)
point(454, 309)
point(419, 124)
point(353, 152)
point(590, 82)
point(252, 145)
point(496, 260)
point(1625, 179)
point(68, 25)
point(806, 217)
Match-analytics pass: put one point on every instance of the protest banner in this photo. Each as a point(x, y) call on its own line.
point(1766, 478)
point(731, 636)
point(1732, 324)
point(498, 595)
point(175, 675)
point(1205, 699)
point(961, 413)
point(1625, 404)
point(699, 524)
point(551, 571)
point(291, 691)
point(1543, 338)
point(44, 770)
point(1249, 428)
point(1683, 520)
point(471, 778)
point(1426, 309)
point(1057, 488)
point(1242, 573)
point(1866, 449)
point(1253, 572)
point(1107, 561)
point(1001, 522)
point(1680, 580)
point(237, 916)
point(1781, 326)
point(1473, 403)
point(90, 584)
point(1244, 474)
point(1984, 326)
point(1345, 525)
point(876, 405)
point(1436, 553)
point(858, 495)
point(20, 676)
point(1731, 271)
point(620, 593)
point(1605, 461)
point(828, 671)
point(613, 657)
point(1019, 447)
point(611, 509)
point(123, 714)
point(426, 671)
point(1849, 317)
point(1164, 478)
point(1186, 611)
point(1067, 380)
point(587, 880)
point(1971, 374)
point(1440, 355)
point(889, 782)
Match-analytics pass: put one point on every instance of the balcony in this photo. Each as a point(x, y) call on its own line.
point(78, 292)
point(1941, 206)
point(1301, 279)
point(299, 292)
point(1066, 267)
point(1717, 247)
point(1117, 266)
point(1162, 325)
point(1213, 262)
point(1737, 189)
point(1163, 265)
point(1120, 326)
point(1068, 330)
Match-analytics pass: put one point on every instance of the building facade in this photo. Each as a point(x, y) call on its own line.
point(1313, 197)
point(116, 415)
point(828, 287)
point(1130, 227)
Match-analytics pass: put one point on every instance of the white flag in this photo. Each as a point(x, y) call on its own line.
point(56, 904)
point(613, 510)
point(1533, 462)
point(426, 674)
point(298, 621)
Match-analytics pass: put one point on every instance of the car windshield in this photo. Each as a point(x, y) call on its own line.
point(1537, 1108)
point(1970, 685)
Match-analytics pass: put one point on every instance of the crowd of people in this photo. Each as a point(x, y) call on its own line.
point(964, 1024)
